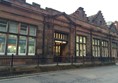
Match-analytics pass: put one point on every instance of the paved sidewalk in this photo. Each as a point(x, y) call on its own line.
point(106, 74)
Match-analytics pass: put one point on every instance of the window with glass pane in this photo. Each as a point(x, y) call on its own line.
point(98, 51)
point(22, 45)
point(77, 46)
point(81, 50)
point(81, 45)
point(77, 49)
point(103, 52)
point(80, 39)
point(93, 50)
point(77, 53)
point(13, 27)
point(31, 49)
point(23, 29)
point(96, 47)
point(56, 35)
point(2, 43)
point(106, 52)
point(12, 45)
point(77, 39)
point(84, 40)
point(114, 49)
point(61, 36)
point(3, 25)
point(104, 48)
point(32, 31)
point(93, 42)
point(98, 42)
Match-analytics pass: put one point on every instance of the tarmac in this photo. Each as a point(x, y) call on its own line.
point(103, 74)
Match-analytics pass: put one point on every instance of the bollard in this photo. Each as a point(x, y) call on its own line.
point(11, 65)
point(12, 57)
point(57, 59)
point(83, 60)
point(38, 60)
point(72, 61)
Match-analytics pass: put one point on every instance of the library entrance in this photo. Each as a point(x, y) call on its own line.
point(60, 48)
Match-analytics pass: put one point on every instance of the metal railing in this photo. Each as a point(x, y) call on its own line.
point(13, 61)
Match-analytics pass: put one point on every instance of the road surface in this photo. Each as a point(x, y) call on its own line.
point(106, 74)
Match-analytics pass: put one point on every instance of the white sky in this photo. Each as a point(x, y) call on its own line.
point(91, 7)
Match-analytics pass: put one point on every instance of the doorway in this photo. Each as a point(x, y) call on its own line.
point(59, 50)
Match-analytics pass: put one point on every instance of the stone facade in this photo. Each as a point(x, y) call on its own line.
point(49, 21)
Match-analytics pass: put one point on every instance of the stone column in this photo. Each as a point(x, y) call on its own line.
point(72, 40)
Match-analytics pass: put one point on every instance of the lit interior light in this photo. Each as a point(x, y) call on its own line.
point(14, 48)
point(63, 42)
point(58, 41)
point(9, 46)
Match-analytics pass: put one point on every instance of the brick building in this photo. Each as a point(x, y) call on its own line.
point(27, 30)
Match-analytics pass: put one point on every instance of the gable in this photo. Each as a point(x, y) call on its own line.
point(80, 14)
point(116, 25)
point(100, 20)
point(63, 18)
point(97, 19)
point(113, 28)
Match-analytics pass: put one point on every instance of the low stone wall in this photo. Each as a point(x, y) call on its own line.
point(20, 70)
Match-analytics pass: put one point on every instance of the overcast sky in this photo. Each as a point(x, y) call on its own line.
point(91, 7)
